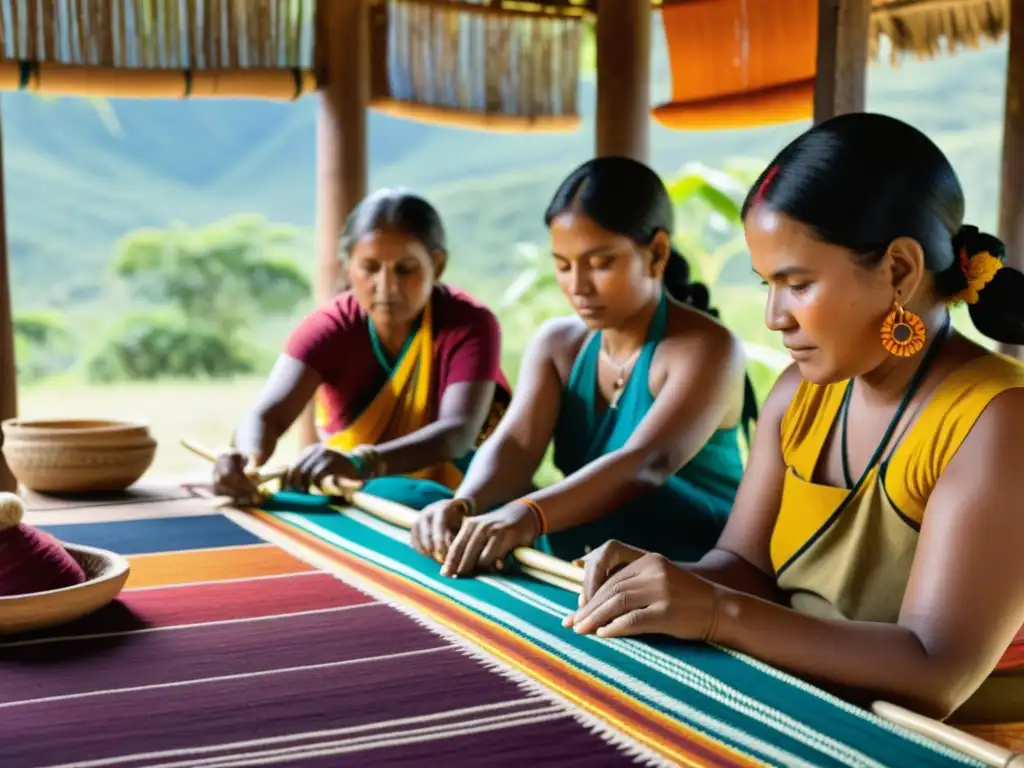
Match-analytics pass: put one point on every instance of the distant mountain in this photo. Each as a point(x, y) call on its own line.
point(73, 188)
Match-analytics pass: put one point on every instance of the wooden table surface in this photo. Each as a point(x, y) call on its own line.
point(153, 498)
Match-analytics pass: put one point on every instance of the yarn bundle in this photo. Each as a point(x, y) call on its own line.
point(31, 561)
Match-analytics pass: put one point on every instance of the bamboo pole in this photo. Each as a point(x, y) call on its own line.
point(114, 82)
point(563, 573)
point(494, 122)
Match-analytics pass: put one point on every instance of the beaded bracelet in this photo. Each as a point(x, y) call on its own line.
point(542, 521)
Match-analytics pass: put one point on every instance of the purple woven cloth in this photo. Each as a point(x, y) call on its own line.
point(32, 561)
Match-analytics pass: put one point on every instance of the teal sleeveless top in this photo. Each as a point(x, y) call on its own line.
point(684, 517)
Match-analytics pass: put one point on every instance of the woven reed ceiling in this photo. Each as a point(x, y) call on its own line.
point(162, 34)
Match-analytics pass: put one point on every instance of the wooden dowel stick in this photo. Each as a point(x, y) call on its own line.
point(405, 517)
point(260, 477)
point(972, 746)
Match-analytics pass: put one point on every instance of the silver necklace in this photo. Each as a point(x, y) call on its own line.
point(623, 369)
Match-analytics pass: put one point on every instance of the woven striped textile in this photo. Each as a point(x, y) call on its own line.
point(296, 635)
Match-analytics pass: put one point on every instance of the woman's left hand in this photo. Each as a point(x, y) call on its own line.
point(483, 540)
point(652, 595)
point(316, 463)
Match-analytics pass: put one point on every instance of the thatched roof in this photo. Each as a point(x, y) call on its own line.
point(929, 28)
point(279, 34)
point(476, 60)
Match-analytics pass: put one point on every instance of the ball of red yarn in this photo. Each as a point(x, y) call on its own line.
point(30, 560)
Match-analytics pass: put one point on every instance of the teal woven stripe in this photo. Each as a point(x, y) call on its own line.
point(759, 711)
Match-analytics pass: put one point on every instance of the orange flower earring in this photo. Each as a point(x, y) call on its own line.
point(903, 333)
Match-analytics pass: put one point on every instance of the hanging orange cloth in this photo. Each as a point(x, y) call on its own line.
point(739, 63)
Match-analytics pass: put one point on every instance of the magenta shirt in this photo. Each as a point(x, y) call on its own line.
point(335, 342)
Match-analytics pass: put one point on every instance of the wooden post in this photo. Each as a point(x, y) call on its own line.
point(343, 51)
point(623, 34)
point(840, 84)
point(1011, 196)
point(8, 372)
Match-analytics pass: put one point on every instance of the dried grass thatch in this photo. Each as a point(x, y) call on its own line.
point(479, 65)
point(160, 34)
point(929, 28)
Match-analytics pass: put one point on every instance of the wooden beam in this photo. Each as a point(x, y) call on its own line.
point(623, 37)
point(1011, 196)
point(8, 372)
point(843, 45)
point(343, 45)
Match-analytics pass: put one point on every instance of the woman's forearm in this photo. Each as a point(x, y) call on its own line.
point(598, 488)
point(257, 434)
point(876, 660)
point(501, 470)
point(727, 569)
point(438, 442)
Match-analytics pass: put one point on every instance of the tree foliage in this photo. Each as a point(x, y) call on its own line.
point(42, 343)
point(210, 286)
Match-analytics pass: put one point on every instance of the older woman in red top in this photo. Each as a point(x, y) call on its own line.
point(404, 369)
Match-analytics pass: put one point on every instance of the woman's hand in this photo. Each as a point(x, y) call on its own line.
point(315, 464)
point(482, 541)
point(600, 564)
point(229, 478)
point(651, 595)
point(436, 526)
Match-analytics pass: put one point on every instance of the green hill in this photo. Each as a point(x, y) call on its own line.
point(73, 188)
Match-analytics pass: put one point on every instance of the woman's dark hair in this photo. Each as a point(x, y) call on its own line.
point(395, 210)
point(628, 198)
point(862, 180)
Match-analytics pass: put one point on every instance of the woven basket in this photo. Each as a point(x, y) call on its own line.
point(67, 456)
point(106, 574)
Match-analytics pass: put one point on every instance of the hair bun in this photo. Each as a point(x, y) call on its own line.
point(969, 240)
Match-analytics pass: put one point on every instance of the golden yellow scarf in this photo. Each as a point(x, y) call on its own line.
point(400, 408)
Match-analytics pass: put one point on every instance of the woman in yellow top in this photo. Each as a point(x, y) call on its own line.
point(876, 546)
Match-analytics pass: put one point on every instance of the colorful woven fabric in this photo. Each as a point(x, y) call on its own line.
point(686, 704)
point(321, 639)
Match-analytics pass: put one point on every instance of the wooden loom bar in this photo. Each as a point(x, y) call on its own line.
point(844, 42)
point(623, 32)
point(1011, 195)
point(343, 57)
point(8, 373)
point(405, 517)
point(539, 564)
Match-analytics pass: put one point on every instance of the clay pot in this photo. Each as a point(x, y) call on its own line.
point(77, 455)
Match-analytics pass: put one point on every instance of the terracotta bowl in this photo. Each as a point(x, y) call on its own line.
point(106, 574)
point(77, 455)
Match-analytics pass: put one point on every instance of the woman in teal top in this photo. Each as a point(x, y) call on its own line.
point(643, 391)
point(585, 431)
